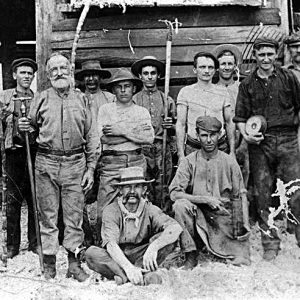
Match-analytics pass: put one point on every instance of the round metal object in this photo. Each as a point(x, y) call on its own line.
point(255, 125)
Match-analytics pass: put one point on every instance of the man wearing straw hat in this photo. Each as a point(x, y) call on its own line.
point(136, 235)
point(274, 93)
point(149, 70)
point(123, 127)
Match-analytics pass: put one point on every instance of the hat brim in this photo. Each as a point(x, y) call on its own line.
point(133, 182)
point(228, 47)
point(27, 63)
point(138, 65)
point(137, 83)
point(79, 75)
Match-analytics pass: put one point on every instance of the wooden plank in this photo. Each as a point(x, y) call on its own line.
point(153, 37)
point(139, 18)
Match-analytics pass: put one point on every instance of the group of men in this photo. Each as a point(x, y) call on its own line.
point(106, 146)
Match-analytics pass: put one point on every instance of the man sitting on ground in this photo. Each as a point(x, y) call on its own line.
point(136, 235)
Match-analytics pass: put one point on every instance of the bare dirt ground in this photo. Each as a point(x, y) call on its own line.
point(211, 279)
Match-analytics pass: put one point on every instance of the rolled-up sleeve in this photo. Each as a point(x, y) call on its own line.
point(243, 107)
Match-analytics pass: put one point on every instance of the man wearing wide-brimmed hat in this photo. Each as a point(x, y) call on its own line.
point(274, 93)
point(293, 45)
point(123, 127)
point(149, 69)
point(18, 186)
point(136, 235)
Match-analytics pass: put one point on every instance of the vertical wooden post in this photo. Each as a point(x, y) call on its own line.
point(45, 16)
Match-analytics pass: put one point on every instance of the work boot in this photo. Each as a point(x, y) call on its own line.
point(49, 266)
point(270, 254)
point(75, 270)
point(190, 260)
point(152, 278)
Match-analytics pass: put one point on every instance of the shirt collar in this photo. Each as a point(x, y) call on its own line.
point(274, 73)
point(148, 92)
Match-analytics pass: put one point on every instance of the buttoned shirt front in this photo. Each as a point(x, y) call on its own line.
point(65, 123)
point(276, 98)
point(203, 102)
point(153, 101)
point(12, 107)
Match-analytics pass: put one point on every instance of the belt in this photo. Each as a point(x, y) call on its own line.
point(60, 152)
point(118, 153)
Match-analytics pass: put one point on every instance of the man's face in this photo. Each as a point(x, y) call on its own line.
point(265, 57)
point(24, 76)
point(59, 72)
point(295, 52)
point(208, 140)
point(149, 76)
point(227, 66)
point(124, 91)
point(92, 82)
point(132, 193)
point(205, 69)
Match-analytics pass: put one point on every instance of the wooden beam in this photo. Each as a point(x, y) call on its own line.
point(45, 16)
point(153, 37)
point(141, 18)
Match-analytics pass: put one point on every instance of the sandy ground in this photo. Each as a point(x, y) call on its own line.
point(211, 279)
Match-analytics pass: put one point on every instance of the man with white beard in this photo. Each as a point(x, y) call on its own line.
point(65, 162)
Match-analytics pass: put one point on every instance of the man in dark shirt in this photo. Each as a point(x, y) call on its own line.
point(274, 93)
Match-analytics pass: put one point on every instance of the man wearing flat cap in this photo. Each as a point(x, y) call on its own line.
point(210, 200)
point(136, 235)
point(18, 186)
point(203, 99)
point(149, 70)
point(124, 128)
point(293, 45)
point(274, 93)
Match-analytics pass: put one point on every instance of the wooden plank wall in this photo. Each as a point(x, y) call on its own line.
point(107, 34)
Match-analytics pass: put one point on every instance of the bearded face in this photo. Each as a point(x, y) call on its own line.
point(133, 193)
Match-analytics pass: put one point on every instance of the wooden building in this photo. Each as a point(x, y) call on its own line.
point(118, 35)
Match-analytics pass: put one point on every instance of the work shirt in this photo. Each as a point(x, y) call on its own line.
point(276, 98)
point(12, 108)
point(65, 123)
point(153, 101)
point(117, 227)
point(292, 68)
point(203, 102)
point(133, 118)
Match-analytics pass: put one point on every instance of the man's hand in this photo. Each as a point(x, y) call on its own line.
point(114, 129)
point(167, 123)
point(149, 259)
point(24, 124)
point(135, 275)
point(254, 138)
point(87, 180)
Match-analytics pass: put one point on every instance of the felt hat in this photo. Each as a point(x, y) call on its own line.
point(136, 68)
point(293, 39)
point(91, 66)
point(24, 62)
point(210, 55)
point(265, 41)
point(217, 51)
point(124, 74)
point(209, 124)
point(132, 175)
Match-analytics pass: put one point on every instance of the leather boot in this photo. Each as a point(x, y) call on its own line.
point(190, 260)
point(49, 266)
point(75, 270)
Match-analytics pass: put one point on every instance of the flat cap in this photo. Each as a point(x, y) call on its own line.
point(24, 61)
point(265, 41)
point(294, 38)
point(209, 124)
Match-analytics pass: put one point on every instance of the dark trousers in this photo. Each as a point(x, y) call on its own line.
point(276, 157)
point(18, 189)
point(100, 261)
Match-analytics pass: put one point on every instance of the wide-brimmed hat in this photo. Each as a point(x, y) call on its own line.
point(91, 66)
point(136, 68)
point(132, 175)
point(24, 61)
point(217, 51)
point(124, 74)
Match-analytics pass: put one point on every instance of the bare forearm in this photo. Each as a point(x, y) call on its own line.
point(144, 137)
point(118, 256)
point(180, 137)
point(113, 140)
point(196, 199)
point(230, 130)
